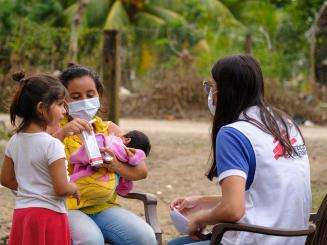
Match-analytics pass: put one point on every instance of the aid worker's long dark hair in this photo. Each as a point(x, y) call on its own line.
point(240, 85)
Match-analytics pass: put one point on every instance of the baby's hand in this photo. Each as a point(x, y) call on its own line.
point(130, 151)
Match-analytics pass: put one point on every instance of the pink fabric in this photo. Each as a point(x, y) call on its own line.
point(82, 167)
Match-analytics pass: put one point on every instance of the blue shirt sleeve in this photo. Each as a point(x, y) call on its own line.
point(234, 155)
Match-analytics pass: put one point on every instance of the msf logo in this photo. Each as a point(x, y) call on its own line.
point(279, 150)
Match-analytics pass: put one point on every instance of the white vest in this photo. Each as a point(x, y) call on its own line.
point(280, 194)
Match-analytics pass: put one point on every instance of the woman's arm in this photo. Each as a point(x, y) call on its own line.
point(231, 207)
point(132, 172)
point(192, 204)
point(128, 172)
point(114, 128)
point(124, 170)
point(8, 178)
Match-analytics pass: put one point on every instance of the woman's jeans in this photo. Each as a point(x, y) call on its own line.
point(187, 240)
point(114, 225)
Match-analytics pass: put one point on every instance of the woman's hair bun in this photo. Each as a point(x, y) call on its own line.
point(18, 76)
point(72, 64)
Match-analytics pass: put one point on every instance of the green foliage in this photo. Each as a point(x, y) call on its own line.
point(90, 42)
point(117, 18)
point(35, 34)
point(96, 12)
point(46, 10)
point(4, 134)
point(36, 45)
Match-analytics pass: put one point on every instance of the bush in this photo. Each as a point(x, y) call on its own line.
point(177, 94)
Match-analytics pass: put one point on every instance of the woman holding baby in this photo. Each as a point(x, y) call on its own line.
point(259, 159)
point(98, 218)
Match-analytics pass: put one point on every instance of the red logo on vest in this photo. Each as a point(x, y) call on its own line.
point(279, 150)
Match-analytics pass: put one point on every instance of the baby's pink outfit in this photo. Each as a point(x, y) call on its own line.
point(82, 167)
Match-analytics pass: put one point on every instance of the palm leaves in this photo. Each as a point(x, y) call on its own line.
point(147, 24)
point(117, 17)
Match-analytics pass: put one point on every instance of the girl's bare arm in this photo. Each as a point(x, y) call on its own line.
point(59, 178)
point(8, 178)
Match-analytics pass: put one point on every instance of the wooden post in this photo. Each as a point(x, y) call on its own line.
point(248, 43)
point(320, 46)
point(111, 69)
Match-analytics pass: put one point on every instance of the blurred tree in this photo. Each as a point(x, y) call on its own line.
point(73, 46)
point(141, 21)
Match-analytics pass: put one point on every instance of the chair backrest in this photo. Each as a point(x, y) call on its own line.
point(320, 236)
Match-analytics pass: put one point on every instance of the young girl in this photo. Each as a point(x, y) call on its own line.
point(34, 163)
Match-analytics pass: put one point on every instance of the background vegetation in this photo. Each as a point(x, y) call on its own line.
point(161, 38)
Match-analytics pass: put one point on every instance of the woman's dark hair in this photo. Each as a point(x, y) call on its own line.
point(139, 141)
point(32, 90)
point(76, 71)
point(240, 85)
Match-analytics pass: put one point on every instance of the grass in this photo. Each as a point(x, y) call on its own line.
point(319, 191)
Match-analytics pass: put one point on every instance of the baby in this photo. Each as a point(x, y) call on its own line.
point(132, 148)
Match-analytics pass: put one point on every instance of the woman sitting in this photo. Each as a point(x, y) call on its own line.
point(100, 218)
point(259, 158)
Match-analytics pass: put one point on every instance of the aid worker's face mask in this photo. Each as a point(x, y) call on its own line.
point(84, 109)
point(211, 105)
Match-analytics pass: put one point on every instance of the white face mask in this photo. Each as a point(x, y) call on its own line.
point(211, 106)
point(84, 109)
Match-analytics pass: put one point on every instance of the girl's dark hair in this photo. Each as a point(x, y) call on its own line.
point(240, 85)
point(32, 90)
point(76, 71)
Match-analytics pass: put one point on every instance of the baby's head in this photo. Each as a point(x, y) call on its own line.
point(138, 140)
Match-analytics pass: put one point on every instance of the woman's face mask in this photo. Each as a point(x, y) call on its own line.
point(84, 109)
point(211, 105)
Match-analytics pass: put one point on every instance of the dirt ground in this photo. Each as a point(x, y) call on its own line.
point(177, 163)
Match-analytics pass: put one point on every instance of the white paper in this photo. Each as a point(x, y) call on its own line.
point(180, 221)
point(92, 149)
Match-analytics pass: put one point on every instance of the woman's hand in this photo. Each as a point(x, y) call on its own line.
point(112, 165)
point(126, 171)
point(76, 126)
point(195, 228)
point(185, 204)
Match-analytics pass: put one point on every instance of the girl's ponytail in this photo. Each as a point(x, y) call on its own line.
point(15, 104)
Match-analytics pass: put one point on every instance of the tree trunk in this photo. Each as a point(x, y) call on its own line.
point(111, 69)
point(320, 46)
point(248, 44)
point(73, 47)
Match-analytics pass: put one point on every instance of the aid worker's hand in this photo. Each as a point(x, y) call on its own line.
point(195, 228)
point(186, 204)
